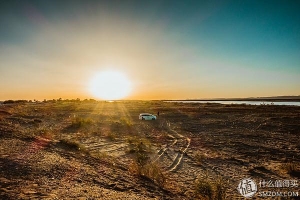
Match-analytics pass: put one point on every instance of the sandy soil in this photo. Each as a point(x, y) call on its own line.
point(187, 141)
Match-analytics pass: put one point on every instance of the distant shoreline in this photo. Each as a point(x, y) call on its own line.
point(262, 100)
point(296, 99)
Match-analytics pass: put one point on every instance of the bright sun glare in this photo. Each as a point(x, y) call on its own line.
point(110, 85)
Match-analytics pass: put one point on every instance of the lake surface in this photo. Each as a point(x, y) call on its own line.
point(286, 103)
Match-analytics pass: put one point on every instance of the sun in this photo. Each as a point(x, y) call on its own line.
point(110, 85)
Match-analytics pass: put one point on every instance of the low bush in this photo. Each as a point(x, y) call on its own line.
point(220, 188)
point(14, 101)
point(204, 188)
point(141, 149)
point(150, 171)
point(72, 145)
point(138, 145)
point(292, 168)
point(212, 190)
point(154, 172)
point(78, 122)
point(126, 122)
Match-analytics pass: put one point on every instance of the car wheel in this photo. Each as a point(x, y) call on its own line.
point(153, 118)
point(143, 118)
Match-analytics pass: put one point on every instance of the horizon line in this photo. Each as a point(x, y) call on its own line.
point(283, 97)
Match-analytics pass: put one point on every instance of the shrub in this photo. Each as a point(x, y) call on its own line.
point(138, 145)
point(8, 101)
point(126, 122)
point(150, 171)
point(72, 145)
point(291, 168)
point(16, 101)
point(154, 172)
point(141, 148)
point(69, 144)
point(80, 122)
point(207, 189)
point(41, 131)
point(204, 188)
point(220, 188)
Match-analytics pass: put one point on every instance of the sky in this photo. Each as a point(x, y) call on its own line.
point(167, 49)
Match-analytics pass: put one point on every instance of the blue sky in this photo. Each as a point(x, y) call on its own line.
point(168, 49)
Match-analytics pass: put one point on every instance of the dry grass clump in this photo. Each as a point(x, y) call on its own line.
point(150, 171)
point(141, 148)
point(292, 168)
point(220, 188)
point(78, 122)
point(199, 157)
point(212, 190)
point(138, 145)
point(72, 145)
point(32, 133)
point(289, 167)
point(154, 172)
point(126, 122)
point(204, 189)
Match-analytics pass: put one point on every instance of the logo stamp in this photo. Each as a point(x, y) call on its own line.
point(247, 187)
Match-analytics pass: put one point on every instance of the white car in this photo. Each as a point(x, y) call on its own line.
point(147, 116)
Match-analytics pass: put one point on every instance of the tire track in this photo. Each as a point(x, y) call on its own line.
point(179, 154)
point(179, 157)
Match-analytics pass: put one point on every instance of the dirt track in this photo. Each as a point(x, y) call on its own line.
point(188, 141)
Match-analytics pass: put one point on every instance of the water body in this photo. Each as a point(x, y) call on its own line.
point(286, 103)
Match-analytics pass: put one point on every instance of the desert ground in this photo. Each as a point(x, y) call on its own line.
point(101, 150)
